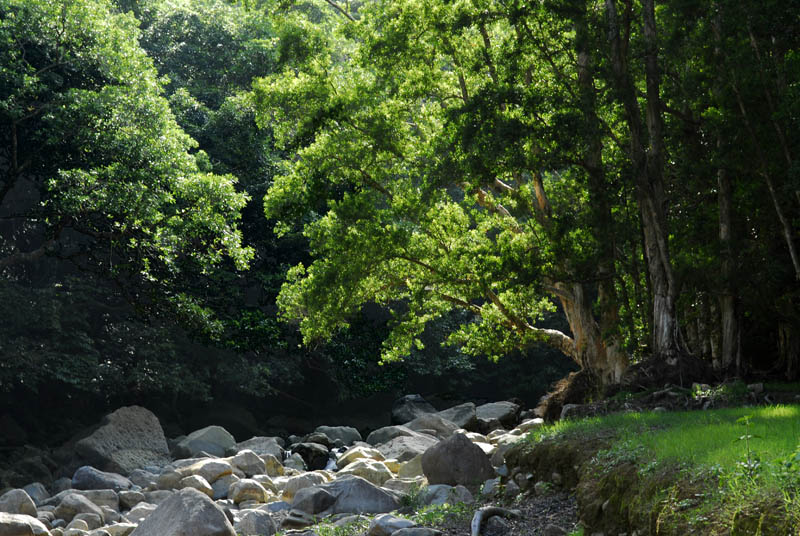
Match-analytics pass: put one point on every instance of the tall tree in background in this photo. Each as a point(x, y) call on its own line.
point(97, 179)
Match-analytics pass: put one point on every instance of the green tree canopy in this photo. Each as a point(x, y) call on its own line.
point(501, 157)
point(98, 176)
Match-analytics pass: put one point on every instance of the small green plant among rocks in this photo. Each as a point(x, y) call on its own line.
point(439, 514)
point(349, 529)
point(725, 392)
point(413, 499)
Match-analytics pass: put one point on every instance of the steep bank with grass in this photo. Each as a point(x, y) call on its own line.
point(731, 471)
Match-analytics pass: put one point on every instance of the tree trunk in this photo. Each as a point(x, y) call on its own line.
point(789, 349)
point(692, 337)
point(609, 346)
point(730, 353)
point(647, 162)
point(592, 351)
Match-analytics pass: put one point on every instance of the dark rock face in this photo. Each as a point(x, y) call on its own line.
point(313, 500)
point(497, 415)
point(314, 454)
point(87, 477)
point(463, 416)
point(409, 408)
point(456, 460)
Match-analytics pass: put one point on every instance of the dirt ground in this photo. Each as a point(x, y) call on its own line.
point(537, 512)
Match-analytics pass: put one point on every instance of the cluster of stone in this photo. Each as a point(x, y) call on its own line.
point(130, 483)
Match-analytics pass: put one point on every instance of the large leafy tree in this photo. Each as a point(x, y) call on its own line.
point(454, 181)
point(498, 157)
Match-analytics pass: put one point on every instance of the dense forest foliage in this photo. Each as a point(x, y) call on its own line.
point(444, 182)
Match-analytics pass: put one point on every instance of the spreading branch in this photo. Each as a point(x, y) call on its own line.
point(338, 8)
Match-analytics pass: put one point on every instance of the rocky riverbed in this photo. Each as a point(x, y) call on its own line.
point(128, 479)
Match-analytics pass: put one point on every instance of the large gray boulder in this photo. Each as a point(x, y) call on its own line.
point(442, 493)
point(346, 434)
point(214, 440)
point(434, 422)
point(37, 492)
point(209, 468)
point(387, 524)
point(456, 460)
point(354, 495)
point(464, 416)
point(73, 504)
point(409, 408)
point(372, 470)
point(387, 433)
point(249, 463)
point(187, 513)
point(405, 448)
point(298, 482)
point(127, 439)
point(256, 523)
point(504, 414)
point(140, 512)
point(17, 501)
point(87, 477)
point(313, 500)
point(21, 525)
point(262, 445)
point(349, 494)
point(247, 490)
point(100, 497)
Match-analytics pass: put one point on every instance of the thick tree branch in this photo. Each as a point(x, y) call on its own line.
point(27, 256)
point(487, 50)
point(458, 301)
point(338, 8)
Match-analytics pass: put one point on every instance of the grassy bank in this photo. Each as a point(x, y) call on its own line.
point(730, 471)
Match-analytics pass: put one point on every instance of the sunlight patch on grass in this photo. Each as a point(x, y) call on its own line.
point(703, 438)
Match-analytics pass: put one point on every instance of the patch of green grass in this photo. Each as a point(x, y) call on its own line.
point(744, 454)
point(438, 514)
point(349, 529)
point(706, 438)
